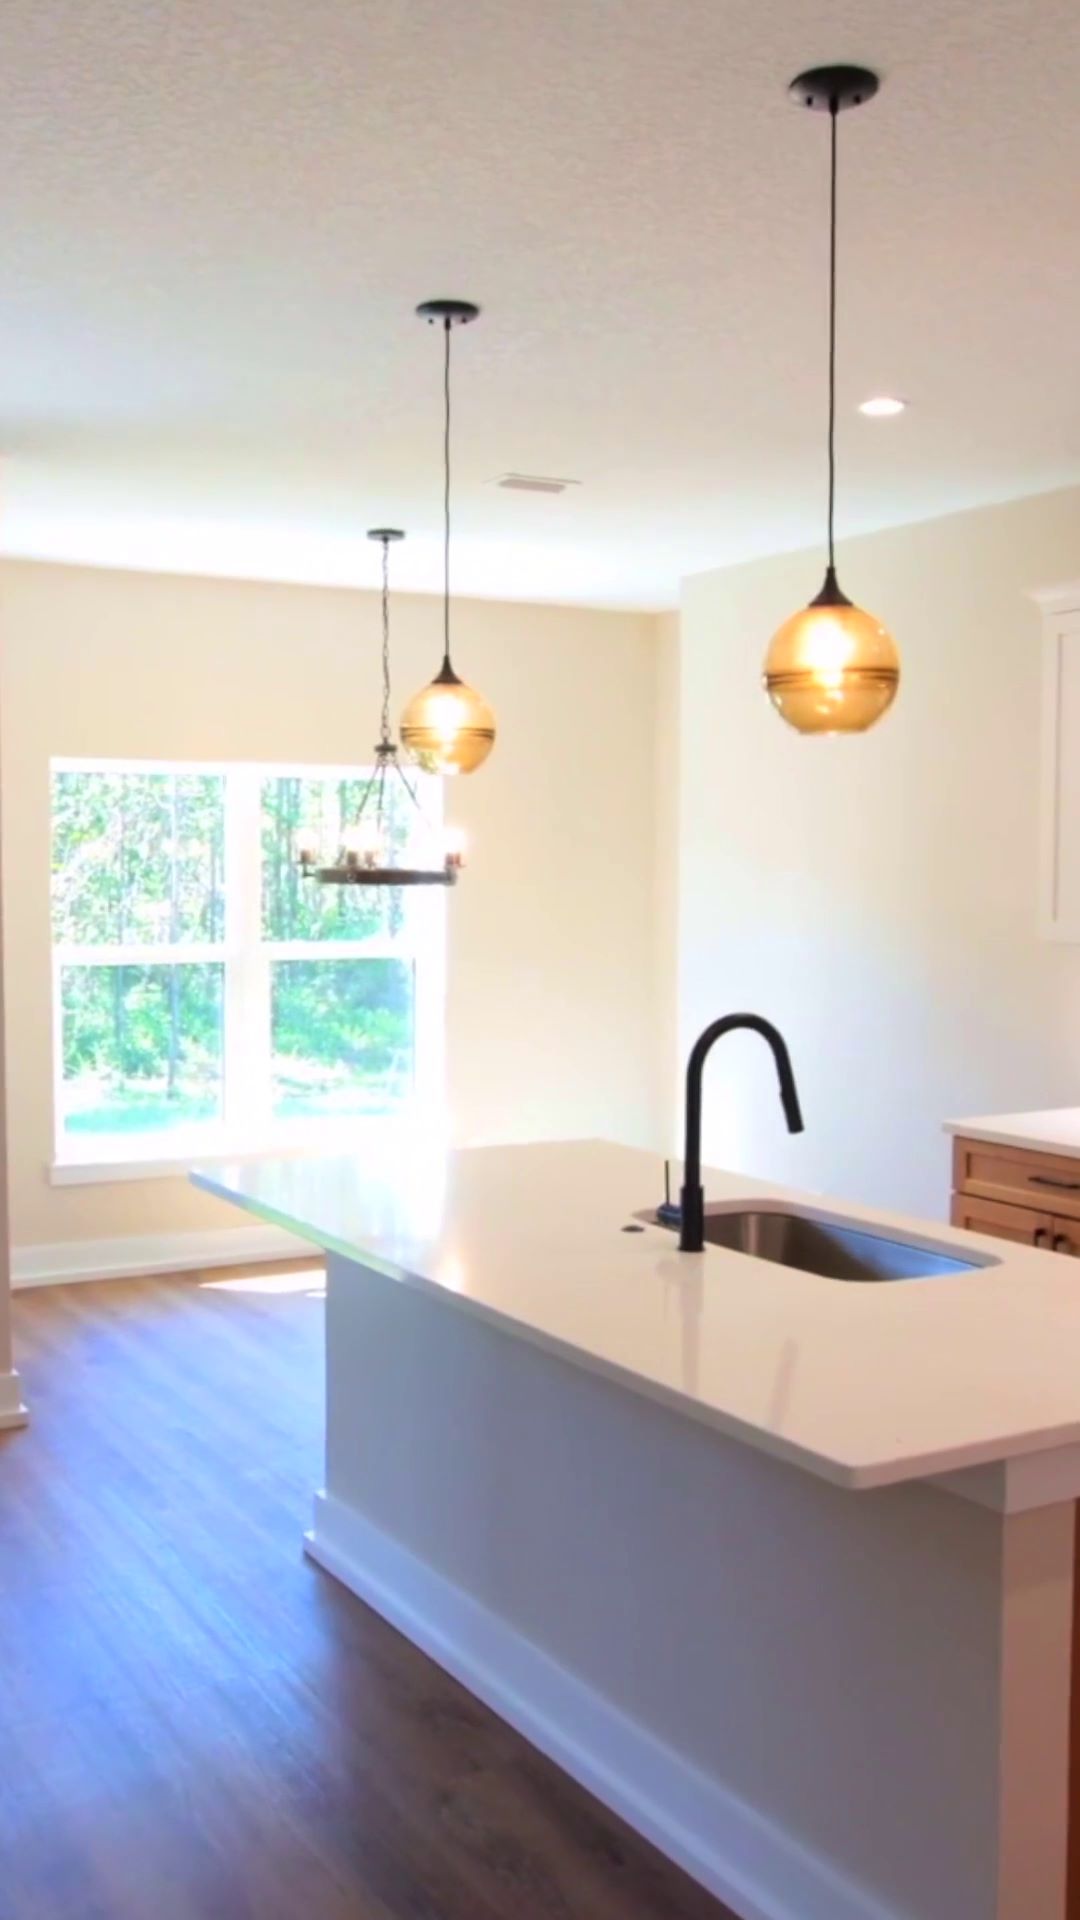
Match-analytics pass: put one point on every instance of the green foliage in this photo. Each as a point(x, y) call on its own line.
point(139, 858)
point(141, 1041)
point(342, 1034)
point(294, 908)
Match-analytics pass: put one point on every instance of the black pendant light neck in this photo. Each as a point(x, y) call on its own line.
point(832, 594)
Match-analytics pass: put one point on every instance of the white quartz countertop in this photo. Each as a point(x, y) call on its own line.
point(866, 1384)
point(1054, 1130)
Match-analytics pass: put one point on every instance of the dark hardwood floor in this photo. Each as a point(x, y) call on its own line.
point(197, 1724)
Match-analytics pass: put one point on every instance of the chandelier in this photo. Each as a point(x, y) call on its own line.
point(390, 842)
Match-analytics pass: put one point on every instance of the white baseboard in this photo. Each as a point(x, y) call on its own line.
point(67, 1260)
point(739, 1855)
point(13, 1412)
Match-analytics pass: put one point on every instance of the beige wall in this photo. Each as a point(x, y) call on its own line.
point(553, 973)
point(648, 839)
point(877, 896)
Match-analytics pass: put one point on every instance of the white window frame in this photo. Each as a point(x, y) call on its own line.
point(248, 1127)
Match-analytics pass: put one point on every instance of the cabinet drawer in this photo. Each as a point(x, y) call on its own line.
point(1017, 1177)
point(1026, 1224)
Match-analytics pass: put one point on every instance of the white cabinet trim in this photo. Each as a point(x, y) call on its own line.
point(1064, 599)
point(1059, 837)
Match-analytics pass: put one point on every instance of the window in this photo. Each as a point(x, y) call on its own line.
point(206, 996)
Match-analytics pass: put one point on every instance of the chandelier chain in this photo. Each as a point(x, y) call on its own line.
point(385, 643)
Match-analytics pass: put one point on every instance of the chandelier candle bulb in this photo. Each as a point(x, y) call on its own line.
point(455, 847)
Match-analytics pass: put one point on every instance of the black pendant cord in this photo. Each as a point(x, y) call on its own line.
point(834, 112)
point(447, 669)
point(832, 90)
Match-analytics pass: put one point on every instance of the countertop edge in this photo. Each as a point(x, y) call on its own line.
point(852, 1476)
point(1002, 1135)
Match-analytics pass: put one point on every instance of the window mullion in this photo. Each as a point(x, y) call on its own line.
point(425, 938)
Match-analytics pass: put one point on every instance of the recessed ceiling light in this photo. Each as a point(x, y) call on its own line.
point(882, 406)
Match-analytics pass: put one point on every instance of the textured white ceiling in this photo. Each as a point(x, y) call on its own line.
point(217, 218)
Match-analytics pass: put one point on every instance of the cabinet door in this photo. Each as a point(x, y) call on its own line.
point(1017, 1176)
point(1010, 1223)
point(1067, 1237)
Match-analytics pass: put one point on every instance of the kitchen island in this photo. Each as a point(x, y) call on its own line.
point(780, 1566)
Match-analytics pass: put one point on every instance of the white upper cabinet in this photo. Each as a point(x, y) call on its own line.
point(1059, 826)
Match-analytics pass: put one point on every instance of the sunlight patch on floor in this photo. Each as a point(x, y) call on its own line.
point(311, 1282)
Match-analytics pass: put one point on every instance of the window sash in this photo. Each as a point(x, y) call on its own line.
point(248, 959)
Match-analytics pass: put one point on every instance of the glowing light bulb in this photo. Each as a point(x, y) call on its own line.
point(448, 727)
point(362, 843)
point(832, 668)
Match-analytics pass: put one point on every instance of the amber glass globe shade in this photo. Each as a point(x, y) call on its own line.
point(832, 669)
point(448, 727)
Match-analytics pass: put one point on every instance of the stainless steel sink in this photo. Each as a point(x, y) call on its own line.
point(827, 1247)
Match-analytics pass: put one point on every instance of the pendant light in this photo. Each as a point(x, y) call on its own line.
point(832, 668)
point(448, 727)
point(375, 849)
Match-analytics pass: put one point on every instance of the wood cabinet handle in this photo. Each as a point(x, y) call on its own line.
point(1047, 1180)
point(1040, 1237)
point(1062, 1243)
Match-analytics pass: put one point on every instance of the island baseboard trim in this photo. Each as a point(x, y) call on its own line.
point(13, 1409)
point(738, 1854)
point(129, 1256)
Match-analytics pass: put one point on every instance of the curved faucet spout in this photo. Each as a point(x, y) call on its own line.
point(692, 1223)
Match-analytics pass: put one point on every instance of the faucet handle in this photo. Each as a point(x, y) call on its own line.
point(668, 1213)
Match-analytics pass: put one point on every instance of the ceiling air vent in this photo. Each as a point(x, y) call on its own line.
point(533, 483)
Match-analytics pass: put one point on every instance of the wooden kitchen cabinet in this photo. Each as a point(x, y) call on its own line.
point(998, 1190)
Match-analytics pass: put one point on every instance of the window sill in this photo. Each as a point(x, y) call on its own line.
point(321, 1137)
